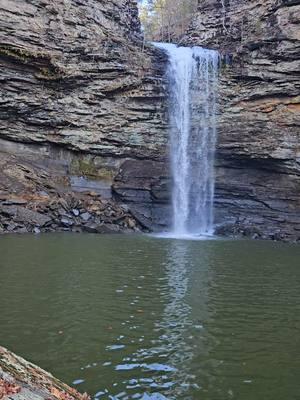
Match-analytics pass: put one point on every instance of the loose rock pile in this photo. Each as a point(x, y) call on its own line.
point(34, 199)
point(74, 213)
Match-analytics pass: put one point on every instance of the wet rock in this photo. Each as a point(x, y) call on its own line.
point(142, 186)
point(85, 216)
point(31, 217)
point(21, 229)
point(77, 229)
point(67, 222)
point(108, 228)
point(75, 212)
point(11, 227)
point(91, 228)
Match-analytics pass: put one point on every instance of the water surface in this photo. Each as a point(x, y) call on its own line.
point(135, 317)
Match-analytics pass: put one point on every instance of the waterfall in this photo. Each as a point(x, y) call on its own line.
point(193, 77)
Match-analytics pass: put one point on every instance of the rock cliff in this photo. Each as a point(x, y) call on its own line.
point(82, 99)
point(83, 115)
point(258, 157)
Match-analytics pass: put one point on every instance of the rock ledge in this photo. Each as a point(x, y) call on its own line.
point(22, 380)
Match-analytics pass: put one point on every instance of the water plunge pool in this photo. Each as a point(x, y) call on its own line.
point(135, 317)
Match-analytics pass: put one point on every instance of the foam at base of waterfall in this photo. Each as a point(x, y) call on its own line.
point(184, 236)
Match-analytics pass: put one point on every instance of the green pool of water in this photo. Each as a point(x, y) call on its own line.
point(135, 317)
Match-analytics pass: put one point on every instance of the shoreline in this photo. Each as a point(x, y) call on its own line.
point(23, 380)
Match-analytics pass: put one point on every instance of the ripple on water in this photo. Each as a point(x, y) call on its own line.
point(115, 347)
point(218, 316)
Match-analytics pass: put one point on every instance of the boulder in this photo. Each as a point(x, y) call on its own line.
point(22, 380)
point(85, 216)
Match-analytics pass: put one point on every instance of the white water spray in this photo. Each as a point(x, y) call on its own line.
point(193, 77)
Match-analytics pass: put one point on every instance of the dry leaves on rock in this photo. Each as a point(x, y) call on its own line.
point(7, 388)
point(62, 395)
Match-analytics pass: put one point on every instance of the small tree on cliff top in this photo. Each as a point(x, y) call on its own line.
point(166, 20)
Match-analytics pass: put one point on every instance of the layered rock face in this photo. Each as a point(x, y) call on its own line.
point(82, 98)
point(258, 157)
point(83, 104)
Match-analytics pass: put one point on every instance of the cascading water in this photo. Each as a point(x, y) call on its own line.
point(193, 77)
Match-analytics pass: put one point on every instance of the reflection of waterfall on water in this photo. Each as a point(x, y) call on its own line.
point(176, 319)
point(171, 346)
point(193, 76)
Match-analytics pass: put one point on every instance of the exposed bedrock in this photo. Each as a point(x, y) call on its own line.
point(82, 97)
point(83, 100)
point(22, 380)
point(258, 156)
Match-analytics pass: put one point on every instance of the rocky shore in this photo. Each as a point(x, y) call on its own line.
point(32, 200)
point(22, 380)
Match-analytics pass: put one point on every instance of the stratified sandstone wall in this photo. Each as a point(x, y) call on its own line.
point(258, 159)
point(84, 96)
point(83, 100)
point(72, 74)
